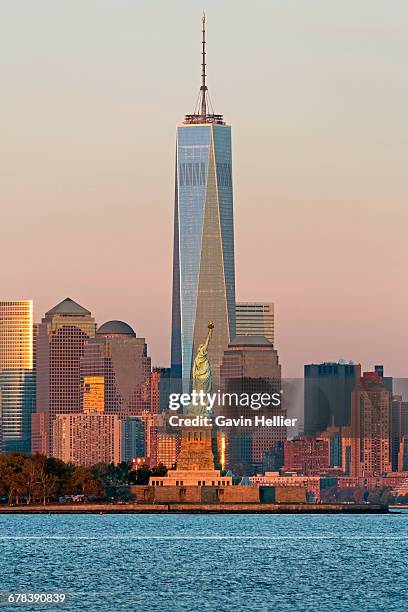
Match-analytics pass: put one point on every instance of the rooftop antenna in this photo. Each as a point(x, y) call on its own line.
point(203, 111)
point(203, 87)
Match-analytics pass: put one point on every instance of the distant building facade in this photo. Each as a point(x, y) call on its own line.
point(87, 439)
point(396, 429)
point(161, 389)
point(255, 319)
point(306, 455)
point(162, 441)
point(327, 395)
point(370, 427)
point(62, 335)
point(116, 372)
point(133, 438)
point(250, 365)
point(167, 447)
point(403, 454)
point(17, 375)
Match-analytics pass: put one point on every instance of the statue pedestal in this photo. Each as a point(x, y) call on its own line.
point(195, 464)
point(196, 450)
point(191, 478)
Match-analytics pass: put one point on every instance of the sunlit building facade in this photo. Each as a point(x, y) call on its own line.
point(370, 427)
point(17, 375)
point(86, 439)
point(327, 395)
point(62, 335)
point(116, 372)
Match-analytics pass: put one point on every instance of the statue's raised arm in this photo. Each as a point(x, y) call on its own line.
point(210, 333)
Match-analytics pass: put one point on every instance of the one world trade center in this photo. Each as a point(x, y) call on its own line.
point(203, 257)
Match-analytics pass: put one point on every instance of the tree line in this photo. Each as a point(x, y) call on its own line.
point(35, 478)
point(360, 495)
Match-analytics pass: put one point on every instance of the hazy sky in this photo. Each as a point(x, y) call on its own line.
point(317, 94)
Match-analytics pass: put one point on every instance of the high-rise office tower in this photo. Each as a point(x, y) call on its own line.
point(203, 258)
point(387, 380)
point(397, 414)
point(17, 375)
point(133, 438)
point(116, 371)
point(327, 395)
point(62, 335)
point(250, 366)
point(370, 427)
point(255, 319)
point(162, 440)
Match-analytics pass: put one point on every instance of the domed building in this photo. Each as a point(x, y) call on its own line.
point(116, 371)
point(115, 328)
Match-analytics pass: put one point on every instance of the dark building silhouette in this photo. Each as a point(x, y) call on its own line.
point(163, 381)
point(328, 388)
point(133, 439)
point(396, 433)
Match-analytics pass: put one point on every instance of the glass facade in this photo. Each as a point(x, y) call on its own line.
point(203, 261)
point(133, 439)
point(17, 375)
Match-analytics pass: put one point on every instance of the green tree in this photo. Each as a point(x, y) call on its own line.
point(142, 475)
point(115, 478)
point(85, 482)
point(387, 496)
point(159, 470)
point(30, 477)
point(374, 496)
point(11, 476)
point(46, 482)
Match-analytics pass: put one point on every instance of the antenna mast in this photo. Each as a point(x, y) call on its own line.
point(203, 87)
point(203, 112)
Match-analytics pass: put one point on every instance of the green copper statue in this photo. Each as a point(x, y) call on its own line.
point(202, 374)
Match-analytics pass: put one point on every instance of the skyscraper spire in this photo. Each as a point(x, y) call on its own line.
point(203, 87)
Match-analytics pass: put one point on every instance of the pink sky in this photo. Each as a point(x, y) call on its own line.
point(317, 98)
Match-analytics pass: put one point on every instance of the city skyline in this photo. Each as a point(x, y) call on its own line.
point(315, 157)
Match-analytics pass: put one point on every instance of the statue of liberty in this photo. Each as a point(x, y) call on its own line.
point(196, 452)
point(202, 374)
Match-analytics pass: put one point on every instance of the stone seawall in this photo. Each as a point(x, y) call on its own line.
point(193, 508)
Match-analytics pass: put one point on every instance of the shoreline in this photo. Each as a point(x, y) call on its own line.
point(193, 508)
